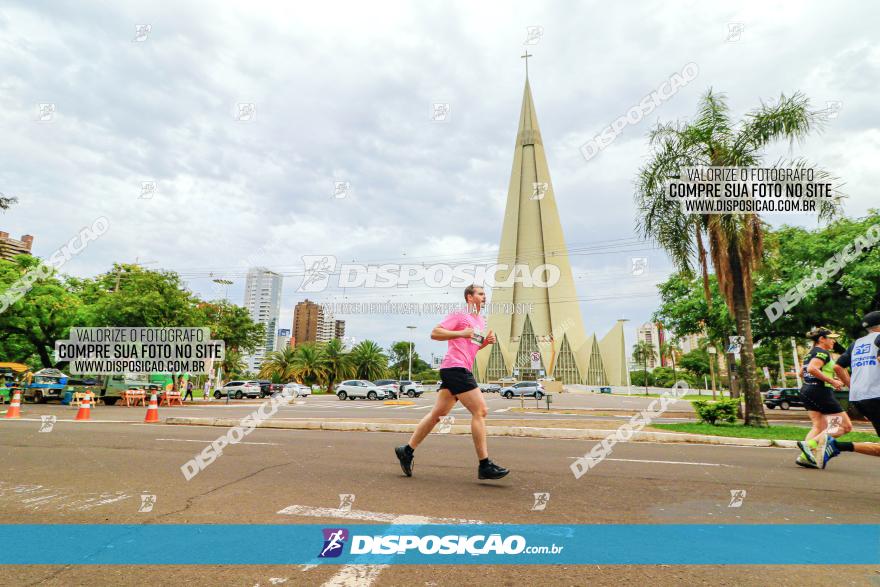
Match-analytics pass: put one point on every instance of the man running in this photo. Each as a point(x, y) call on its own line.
point(462, 331)
point(817, 393)
point(864, 386)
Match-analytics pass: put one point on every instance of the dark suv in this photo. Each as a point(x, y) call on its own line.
point(783, 398)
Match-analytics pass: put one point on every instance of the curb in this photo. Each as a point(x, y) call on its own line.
point(515, 431)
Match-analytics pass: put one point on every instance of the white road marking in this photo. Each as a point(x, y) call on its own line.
point(665, 462)
point(501, 410)
point(363, 575)
point(316, 512)
point(423, 407)
point(210, 441)
point(29, 496)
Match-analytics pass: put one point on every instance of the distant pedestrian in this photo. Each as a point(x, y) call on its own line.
point(207, 390)
point(189, 390)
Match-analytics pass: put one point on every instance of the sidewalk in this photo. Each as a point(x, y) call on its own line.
point(494, 428)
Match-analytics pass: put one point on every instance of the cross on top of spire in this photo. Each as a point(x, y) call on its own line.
point(526, 56)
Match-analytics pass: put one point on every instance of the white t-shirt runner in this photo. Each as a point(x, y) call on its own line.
point(861, 358)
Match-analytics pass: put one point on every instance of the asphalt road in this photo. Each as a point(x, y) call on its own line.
point(616, 408)
point(97, 472)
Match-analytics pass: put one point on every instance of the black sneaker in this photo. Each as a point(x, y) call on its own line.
point(406, 460)
point(491, 471)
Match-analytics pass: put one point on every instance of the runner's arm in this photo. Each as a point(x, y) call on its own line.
point(844, 362)
point(815, 369)
point(440, 333)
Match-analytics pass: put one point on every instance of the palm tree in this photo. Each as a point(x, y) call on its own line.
point(233, 363)
point(668, 349)
point(642, 351)
point(279, 365)
point(735, 241)
point(337, 363)
point(308, 365)
point(368, 361)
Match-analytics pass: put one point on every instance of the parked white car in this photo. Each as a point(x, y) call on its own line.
point(238, 389)
point(295, 389)
point(359, 388)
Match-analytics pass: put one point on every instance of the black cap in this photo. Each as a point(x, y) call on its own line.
point(817, 333)
point(871, 319)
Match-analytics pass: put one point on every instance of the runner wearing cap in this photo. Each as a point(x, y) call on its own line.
point(864, 386)
point(462, 331)
point(817, 393)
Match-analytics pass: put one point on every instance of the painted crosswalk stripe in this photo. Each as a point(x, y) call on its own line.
point(364, 575)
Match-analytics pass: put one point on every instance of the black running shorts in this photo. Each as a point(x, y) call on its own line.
point(819, 398)
point(457, 380)
point(870, 408)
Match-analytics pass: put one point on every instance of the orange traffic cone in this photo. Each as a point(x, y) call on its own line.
point(84, 408)
point(14, 410)
point(152, 410)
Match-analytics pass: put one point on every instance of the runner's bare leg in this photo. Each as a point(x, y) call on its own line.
point(476, 405)
point(444, 404)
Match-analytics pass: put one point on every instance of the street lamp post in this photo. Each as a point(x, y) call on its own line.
point(411, 328)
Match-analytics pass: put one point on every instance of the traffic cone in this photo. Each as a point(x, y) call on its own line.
point(84, 408)
point(14, 410)
point(152, 410)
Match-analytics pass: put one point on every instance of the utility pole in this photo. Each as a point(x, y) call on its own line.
point(409, 376)
point(782, 381)
point(713, 352)
point(797, 362)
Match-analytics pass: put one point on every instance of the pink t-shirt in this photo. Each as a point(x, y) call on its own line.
point(461, 351)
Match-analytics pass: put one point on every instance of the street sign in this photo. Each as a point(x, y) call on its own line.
point(736, 343)
point(535, 357)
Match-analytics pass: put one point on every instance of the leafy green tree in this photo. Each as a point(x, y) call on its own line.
point(794, 255)
point(230, 323)
point(398, 358)
point(695, 362)
point(369, 361)
point(641, 378)
point(735, 241)
point(30, 326)
point(130, 295)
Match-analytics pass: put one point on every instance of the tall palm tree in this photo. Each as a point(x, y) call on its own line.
point(668, 349)
point(368, 361)
point(337, 363)
point(735, 241)
point(642, 351)
point(308, 365)
point(279, 365)
point(233, 363)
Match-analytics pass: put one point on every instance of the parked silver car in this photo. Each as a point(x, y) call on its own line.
point(359, 388)
point(523, 388)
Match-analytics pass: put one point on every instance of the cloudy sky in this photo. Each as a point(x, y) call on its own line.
point(344, 92)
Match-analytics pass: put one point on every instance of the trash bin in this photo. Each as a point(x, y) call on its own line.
point(68, 397)
point(549, 397)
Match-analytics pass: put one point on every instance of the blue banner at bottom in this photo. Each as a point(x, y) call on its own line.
point(491, 544)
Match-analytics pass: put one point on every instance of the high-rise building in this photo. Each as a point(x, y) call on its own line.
point(9, 247)
point(652, 334)
point(314, 323)
point(326, 326)
point(306, 320)
point(262, 299)
point(282, 339)
point(550, 339)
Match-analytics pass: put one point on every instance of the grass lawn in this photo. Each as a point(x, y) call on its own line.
point(740, 431)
